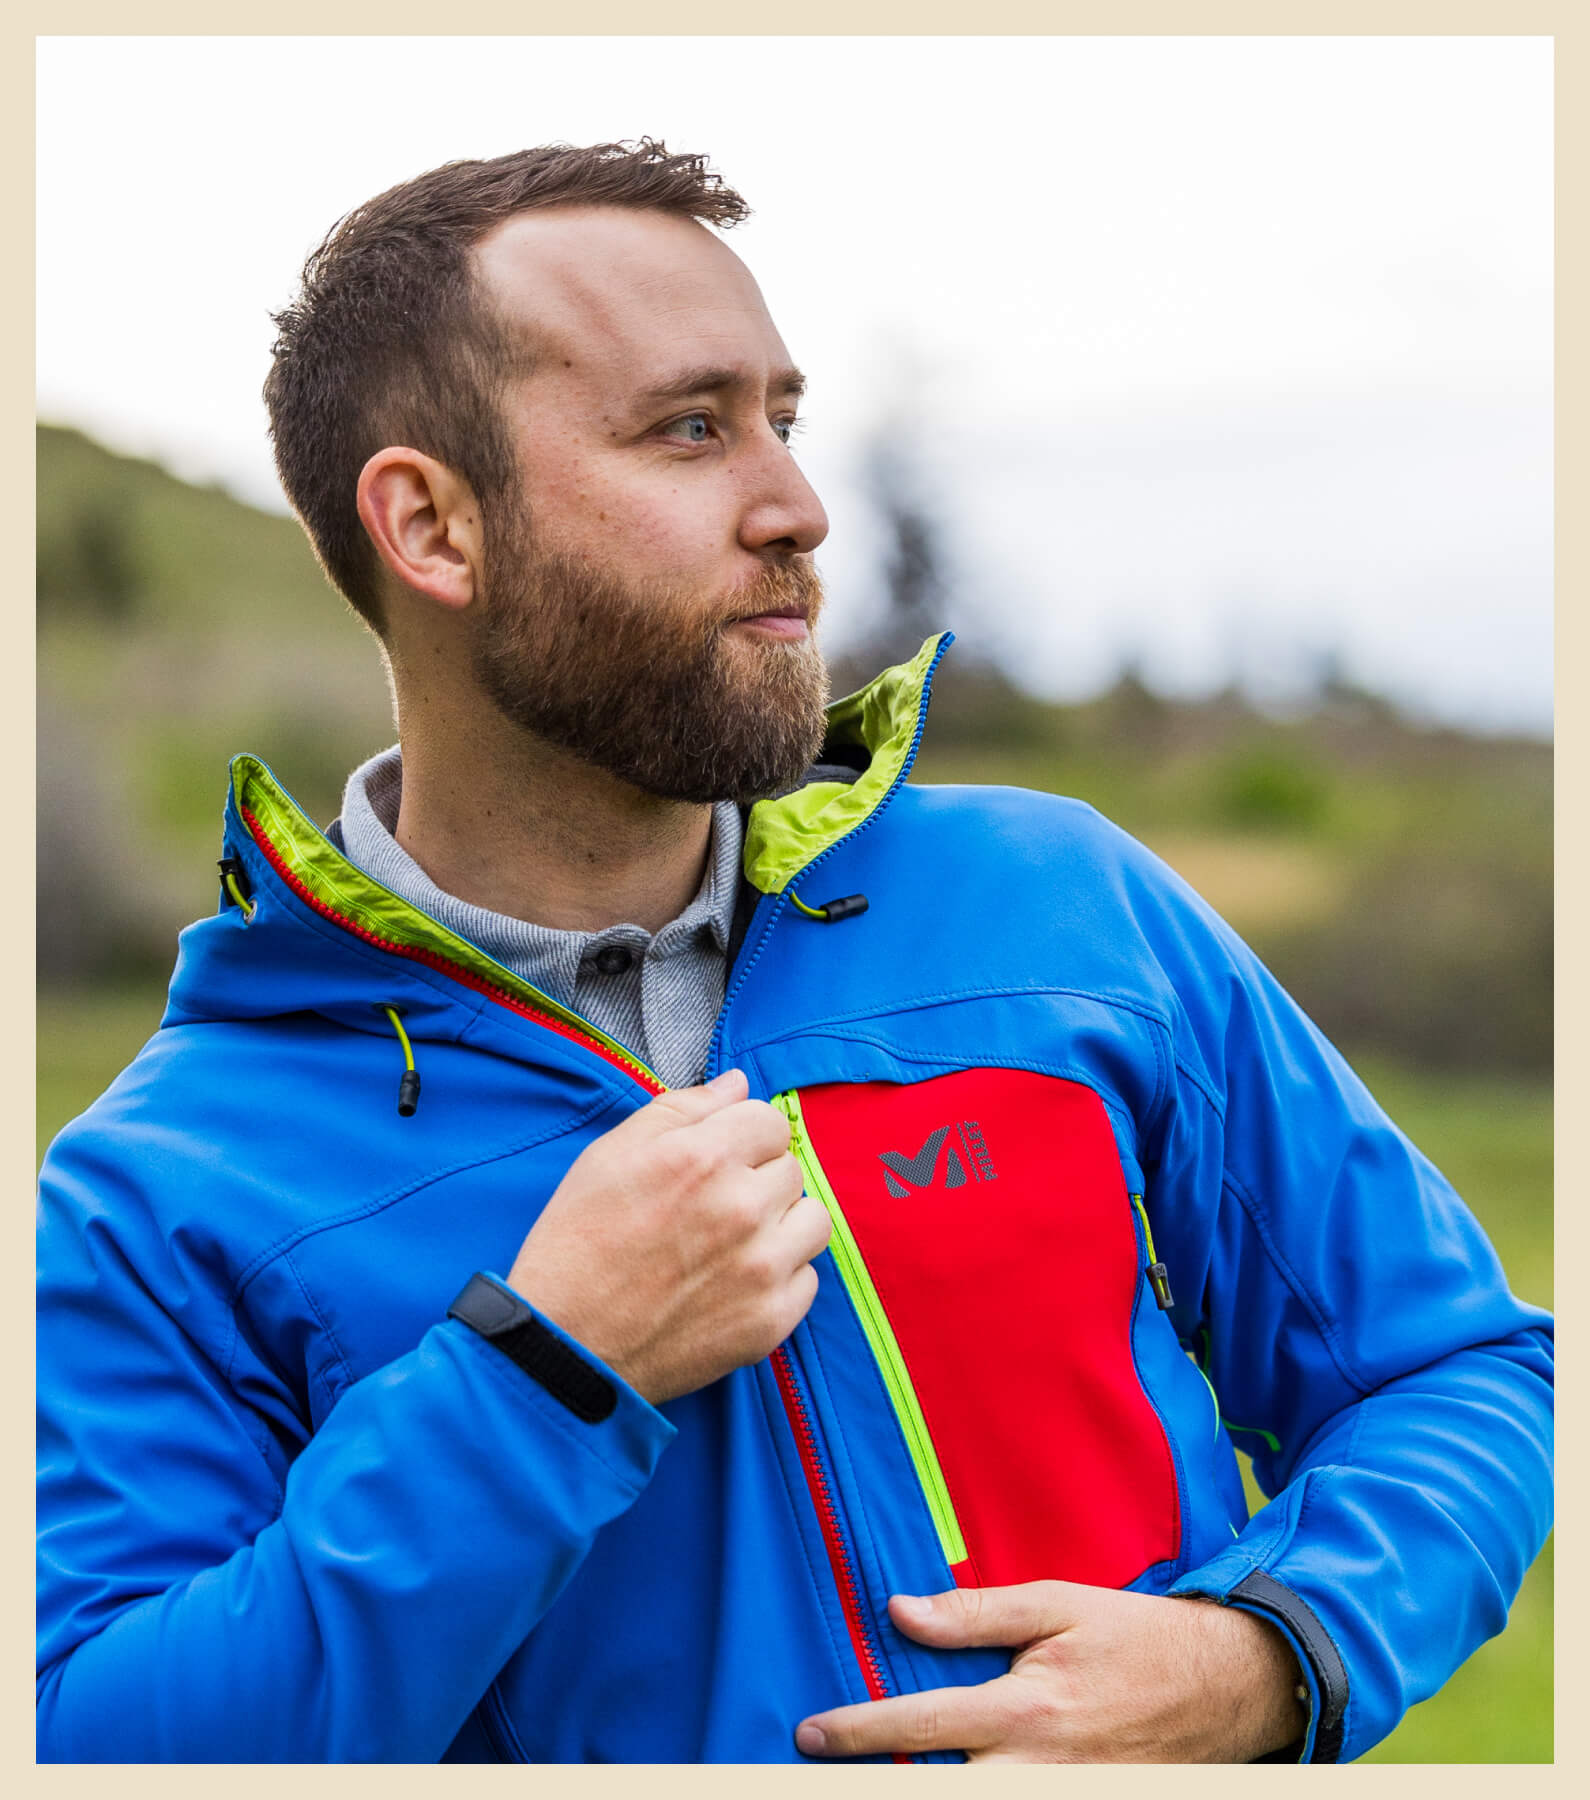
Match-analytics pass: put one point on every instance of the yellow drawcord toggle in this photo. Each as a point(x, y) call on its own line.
point(832, 911)
point(409, 1086)
point(244, 904)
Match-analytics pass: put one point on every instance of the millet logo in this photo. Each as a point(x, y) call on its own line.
point(966, 1150)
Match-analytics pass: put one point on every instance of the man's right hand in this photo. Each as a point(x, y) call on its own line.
point(679, 1245)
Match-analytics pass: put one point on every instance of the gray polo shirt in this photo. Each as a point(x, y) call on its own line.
point(658, 994)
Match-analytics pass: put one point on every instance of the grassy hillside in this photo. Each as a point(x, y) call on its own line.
point(176, 626)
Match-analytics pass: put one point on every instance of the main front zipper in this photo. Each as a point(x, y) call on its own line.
point(836, 1537)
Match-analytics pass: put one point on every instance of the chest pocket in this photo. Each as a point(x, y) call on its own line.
point(984, 1234)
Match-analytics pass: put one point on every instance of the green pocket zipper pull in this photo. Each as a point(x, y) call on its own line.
point(1158, 1274)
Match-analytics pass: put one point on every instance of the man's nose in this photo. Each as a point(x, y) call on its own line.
point(782, 511)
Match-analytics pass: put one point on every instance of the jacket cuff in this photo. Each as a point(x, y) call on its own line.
point(626, 1433)
point(1232, 1580)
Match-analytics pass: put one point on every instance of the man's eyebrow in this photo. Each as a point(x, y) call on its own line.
point(713, 379)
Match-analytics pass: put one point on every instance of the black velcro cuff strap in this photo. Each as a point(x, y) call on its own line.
point(512, 1326)
point(1265, 1594)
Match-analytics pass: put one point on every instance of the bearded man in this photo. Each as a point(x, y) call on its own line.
point(788, 1322)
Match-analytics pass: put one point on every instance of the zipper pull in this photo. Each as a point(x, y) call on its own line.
point(1158, 1274)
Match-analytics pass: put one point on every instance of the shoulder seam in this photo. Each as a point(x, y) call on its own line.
point(923, 1002)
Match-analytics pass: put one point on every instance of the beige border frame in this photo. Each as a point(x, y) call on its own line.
point(1568, 23)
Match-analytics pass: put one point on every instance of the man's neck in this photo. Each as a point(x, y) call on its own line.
point(515, 825)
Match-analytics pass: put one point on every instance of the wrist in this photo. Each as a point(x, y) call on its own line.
point(555, 1295)
point(1265, 1696)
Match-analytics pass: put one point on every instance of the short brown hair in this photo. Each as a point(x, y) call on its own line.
point(390, 340)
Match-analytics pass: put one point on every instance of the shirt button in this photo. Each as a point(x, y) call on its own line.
point(614, 959)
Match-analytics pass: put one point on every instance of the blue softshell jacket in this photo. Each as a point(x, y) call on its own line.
point(1105, 1203)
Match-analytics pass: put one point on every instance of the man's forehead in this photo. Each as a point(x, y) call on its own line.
point(610, 287)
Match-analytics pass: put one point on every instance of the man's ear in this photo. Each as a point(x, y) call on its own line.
point(425, 524)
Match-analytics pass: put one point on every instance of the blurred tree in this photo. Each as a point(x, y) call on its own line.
point(974, 702)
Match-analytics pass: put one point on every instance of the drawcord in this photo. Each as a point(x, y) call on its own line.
point(409, 1086)
point(831, 911)
point(231, 880)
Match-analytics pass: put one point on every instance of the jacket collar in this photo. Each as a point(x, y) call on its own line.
point(876, 729)
point(880, 724)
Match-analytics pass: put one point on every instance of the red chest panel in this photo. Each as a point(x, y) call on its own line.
point(990, 1210)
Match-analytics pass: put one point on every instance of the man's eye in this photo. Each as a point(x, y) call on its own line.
point(693, 428)
point(786, 429)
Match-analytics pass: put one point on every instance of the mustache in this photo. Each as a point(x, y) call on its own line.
point(781, 588)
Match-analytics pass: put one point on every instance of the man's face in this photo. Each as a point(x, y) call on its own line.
point(648, 604)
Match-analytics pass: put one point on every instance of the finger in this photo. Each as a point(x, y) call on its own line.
point(749, 1131)
point(956, 1718)
point(1007, 1616)
point(797, 1298)
point(780, 1187)
point(804, 1230)
point(677, 1107)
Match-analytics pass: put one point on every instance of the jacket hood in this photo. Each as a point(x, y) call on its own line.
point(319, 935)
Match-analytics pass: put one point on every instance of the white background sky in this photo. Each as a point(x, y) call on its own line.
point(1217, 352)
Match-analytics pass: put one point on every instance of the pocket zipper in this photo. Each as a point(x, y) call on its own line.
point(880, 1338)
point(1158, 1276)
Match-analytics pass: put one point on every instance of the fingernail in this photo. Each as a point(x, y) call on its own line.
point(810, 1741)
point(914, 1603)
point(726, 1079)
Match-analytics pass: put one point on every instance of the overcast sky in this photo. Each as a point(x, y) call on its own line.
point(1218, 353)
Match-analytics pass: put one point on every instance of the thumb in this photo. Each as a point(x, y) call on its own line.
point(1009, 1616)
point(685, 1106)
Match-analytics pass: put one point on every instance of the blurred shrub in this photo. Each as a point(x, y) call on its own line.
point(1265, 788)
point(88, 562)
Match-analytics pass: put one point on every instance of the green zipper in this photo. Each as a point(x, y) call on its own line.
point(1158, 1277)
point(880, 1335)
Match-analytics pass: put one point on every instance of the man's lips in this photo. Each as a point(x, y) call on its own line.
point(782, 621)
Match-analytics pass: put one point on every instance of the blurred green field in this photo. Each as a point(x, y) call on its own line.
point(1492, 1137)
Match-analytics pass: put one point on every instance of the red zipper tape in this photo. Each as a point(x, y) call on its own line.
point(828, 1519)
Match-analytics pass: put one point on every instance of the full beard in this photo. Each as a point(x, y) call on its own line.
point(644, 680)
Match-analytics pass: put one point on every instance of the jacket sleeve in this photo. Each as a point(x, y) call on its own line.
point(216, 1584)
point(1358, 1329)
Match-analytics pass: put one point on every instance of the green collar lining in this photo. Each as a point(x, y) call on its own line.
point(782, 836)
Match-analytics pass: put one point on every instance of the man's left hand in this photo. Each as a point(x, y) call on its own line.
point(1098, 1676)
